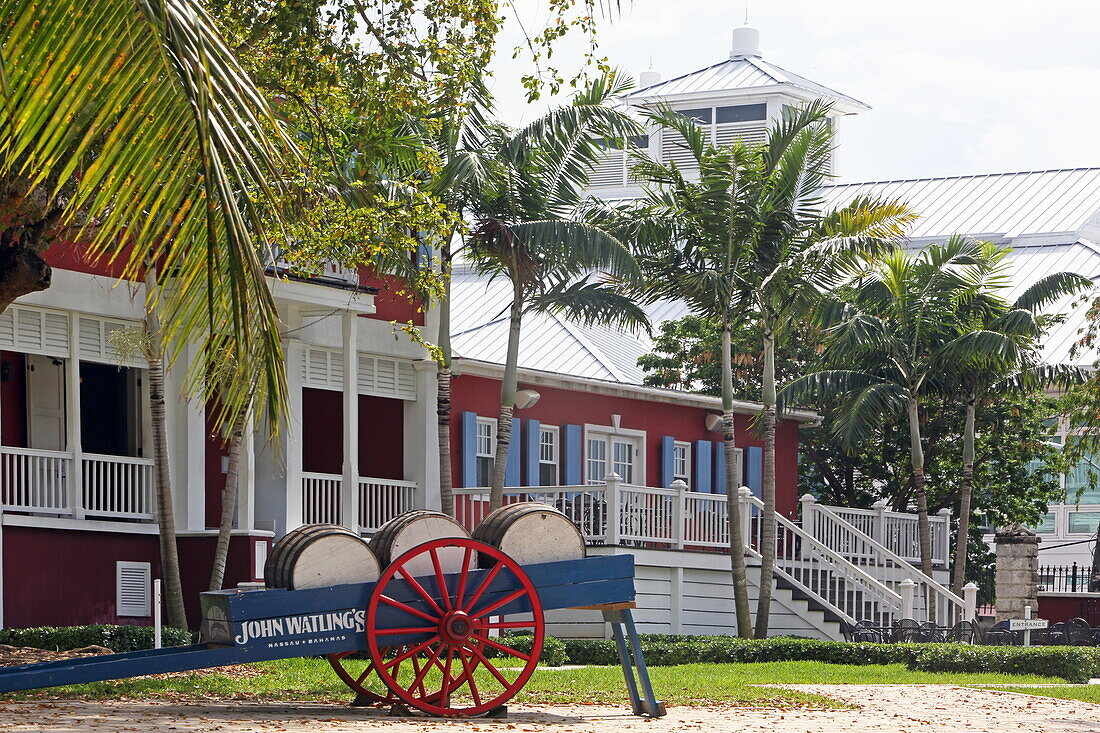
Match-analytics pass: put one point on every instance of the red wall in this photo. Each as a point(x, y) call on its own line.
point(657, 419)
point(13, 400)
point(56, 577)
point(71, 256)
point(390, 303)
point(1064, 606)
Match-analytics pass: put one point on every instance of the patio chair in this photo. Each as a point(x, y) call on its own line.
point(1056, 635)
point(929, 632)
point(999, 635)
point(963, 632)
point(866, 631)
point(906, 631)
point(1079, 633)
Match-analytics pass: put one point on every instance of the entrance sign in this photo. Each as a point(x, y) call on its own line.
point(1027, 624)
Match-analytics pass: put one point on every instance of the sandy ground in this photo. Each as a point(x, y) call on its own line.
point(900, 708)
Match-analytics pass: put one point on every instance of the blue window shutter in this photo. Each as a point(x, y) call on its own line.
point(469, 449)
point(571, 453)
point(423, 256)
point(754, 469)
point(667, 443)
point(719, 467)
point(532, 451)
point(703, 466)
point(511, 465)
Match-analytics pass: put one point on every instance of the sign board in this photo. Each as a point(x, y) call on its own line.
point(1026, 624)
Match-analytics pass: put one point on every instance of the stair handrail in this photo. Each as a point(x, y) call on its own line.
point(935, 586)
point(886, 595)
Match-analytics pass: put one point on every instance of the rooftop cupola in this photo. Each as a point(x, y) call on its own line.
point(746, 42)
point(649, 77)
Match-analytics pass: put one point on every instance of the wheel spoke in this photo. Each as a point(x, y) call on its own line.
point(507, 624)
point(408, 609)
point(439, 579)
point(445, 691)
point(468, 677)
point(483, 586)
point(412, 651)
point(489, 666)
point(502, 602)
point(419, 589)
point(419, 681)
point(366, 673)
point(466, 557)
point(503, 648)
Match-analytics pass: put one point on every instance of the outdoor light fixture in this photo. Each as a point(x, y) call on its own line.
point(526, 398)
point(714, 423)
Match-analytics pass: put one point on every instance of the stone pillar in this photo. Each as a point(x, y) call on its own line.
point(1017, 571)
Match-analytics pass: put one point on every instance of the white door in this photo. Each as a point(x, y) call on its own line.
point(607, 453)
point(46, 402)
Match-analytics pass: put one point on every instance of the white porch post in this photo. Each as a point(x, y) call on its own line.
point(678, 514)
point(195, 437)
point(744, 495)
point(907, 589)
point(970, 601)
point(292, 429)
point(944, 533)
point(421, 438)
point(879, 533)
point(611, 500)
point(75, 480)
point(349, 495)
point(246, 482)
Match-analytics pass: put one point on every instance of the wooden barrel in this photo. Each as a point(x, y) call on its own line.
point(531, 532)
point(320, 555)
point(406, 531)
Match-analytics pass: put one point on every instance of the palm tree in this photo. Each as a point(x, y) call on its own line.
point(894, 341)
point(525, 232)
point(750, 236)
point(129, 126)
point(974, 382)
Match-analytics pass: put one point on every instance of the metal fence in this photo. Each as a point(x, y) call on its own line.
point(1066, 578)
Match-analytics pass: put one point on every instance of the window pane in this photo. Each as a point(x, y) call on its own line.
point(1045, 525)
point(484, 471)
point(548, 446)
point(1084, 522)
point(1085, 477)
point(596, 465)
point(485, 439)
point(742, 113)
point(699, 115)
point(680, 462)
point(623, 461)
point(548, 474)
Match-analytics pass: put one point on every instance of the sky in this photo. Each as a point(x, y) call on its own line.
point(969, 86)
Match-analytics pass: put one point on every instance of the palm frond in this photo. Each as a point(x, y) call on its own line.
point(1052, 288)
point(173, 152)
point(591, 302)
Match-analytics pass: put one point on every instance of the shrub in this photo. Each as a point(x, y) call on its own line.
point(553, 649)
point(115, 638)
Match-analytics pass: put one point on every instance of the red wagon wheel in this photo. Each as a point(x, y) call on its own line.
point(457, 619)
point(357, 680)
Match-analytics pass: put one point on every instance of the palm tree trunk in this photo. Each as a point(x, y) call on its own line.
point(443, 388)
point(229, 502)
point(959, 576)
point(767, 529)
point(923, 529)
point(507, 403)
point(733, 507)
point(166, 521)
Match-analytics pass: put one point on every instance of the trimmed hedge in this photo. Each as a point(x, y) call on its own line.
point(115, 638)
point(1073, 664)
point(553, 649)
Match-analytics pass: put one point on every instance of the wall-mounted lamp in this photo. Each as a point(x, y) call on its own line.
point(526, 398)
point(714, 423)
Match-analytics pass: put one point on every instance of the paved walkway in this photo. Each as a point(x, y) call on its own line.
point(883, 708)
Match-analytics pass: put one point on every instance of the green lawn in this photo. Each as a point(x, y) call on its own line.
point(699, 684)
point(1084, 693)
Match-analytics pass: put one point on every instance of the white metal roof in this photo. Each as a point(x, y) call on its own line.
point(991, 205)
point(737, 74)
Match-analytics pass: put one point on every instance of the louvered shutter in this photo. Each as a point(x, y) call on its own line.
point(132, 589)
point(94, 342)
point(754, 469)
point(531, 452)
point(668, 445)
point(750, 134)
point(674, 150)
point(384, 377)
point(468, 436)
point(571, 455)
point(35, 331)
point(703, 466)
point(511, 463)
point(610, 170)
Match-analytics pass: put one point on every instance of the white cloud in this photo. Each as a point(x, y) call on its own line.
point(957, 87)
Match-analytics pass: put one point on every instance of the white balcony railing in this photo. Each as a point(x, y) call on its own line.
point(378, 499)
point(899, 532)
point(54, 482)
point(35, 480)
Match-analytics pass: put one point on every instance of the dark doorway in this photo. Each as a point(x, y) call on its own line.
point(109, 410)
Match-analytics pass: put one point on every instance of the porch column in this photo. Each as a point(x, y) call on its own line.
point(421, 439)
point(246, 482)
point(292, 430)
point(75, 483)
point(193, 477)
point(349, 495)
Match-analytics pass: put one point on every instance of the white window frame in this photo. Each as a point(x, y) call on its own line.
point(129, 611)
point(555, 459)
point(683, 447)
point(491, 424)
point(607, 433)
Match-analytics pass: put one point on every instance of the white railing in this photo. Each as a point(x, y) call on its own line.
point(34, 480)
point(378, 500)
point(819, 571)
point(899, 530)
point(118, 486)
point(931, 600)
point(321, 498)
point(585, 505)
point(382, 499)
